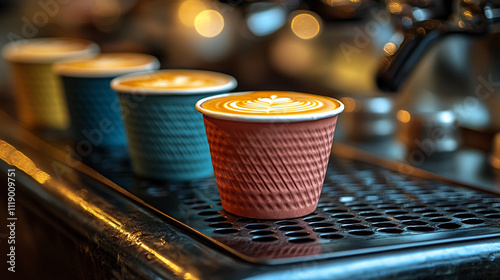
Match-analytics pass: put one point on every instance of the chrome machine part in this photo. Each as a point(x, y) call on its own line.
point(432, 64)
point(430, 133)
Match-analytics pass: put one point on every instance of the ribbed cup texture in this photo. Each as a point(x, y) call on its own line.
point(39, 97)
point(95, 111)
point(166, 136)
point(270, 170)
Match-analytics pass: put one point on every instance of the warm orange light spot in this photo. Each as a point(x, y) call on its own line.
point(395, 8)
point(305, 26)
point(390, 48)
point(349, 103)
point(468, 14)
point(403, 116)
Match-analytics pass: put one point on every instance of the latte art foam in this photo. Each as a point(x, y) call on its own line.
point(272, 105)
point(266, 105)
point(174, 82)
point(49, 50)
point(177, 80)
point(51, 46)
point(180, 81)
point(108, 64)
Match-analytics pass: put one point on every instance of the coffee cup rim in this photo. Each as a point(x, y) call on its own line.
point(262, 118)
point(116, 86)
point(66, 69)
point(11, 53)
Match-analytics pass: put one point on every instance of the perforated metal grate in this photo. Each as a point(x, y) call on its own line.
point(363, 208)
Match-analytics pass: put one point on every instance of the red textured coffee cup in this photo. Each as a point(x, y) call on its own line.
point(270, 150)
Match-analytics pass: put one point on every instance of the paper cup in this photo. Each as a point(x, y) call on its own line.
point(166, 134)
point(270, 163)
point(37, 90)
point(93, 106)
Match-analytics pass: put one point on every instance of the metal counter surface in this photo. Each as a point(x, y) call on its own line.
point(95, 228)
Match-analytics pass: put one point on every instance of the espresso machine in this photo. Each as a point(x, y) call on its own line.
point(411, 189)
point(441, 58)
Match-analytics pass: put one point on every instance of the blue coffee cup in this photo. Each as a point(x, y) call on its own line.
point(93, 106)
point(166, 134)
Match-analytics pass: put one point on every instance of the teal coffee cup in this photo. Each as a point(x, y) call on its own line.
point(93, 106)
point(166, 134)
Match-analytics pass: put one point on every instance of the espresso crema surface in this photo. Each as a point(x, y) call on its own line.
point(177, 80)
point(268, 105)
point(165, 81)
point(49, 49)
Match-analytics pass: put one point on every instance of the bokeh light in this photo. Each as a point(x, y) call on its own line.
point(305, 25)
point(268, 18)
point(403, 116)
point(390, 48)
point(189, 9)
point(350, 104)
point(291, 56)
point(209, 23)
point(395, 7)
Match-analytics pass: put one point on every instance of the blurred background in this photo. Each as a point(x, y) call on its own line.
point(420, 79)
point(289, 44)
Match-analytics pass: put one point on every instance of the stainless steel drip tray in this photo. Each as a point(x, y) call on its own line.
point(364, 208)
